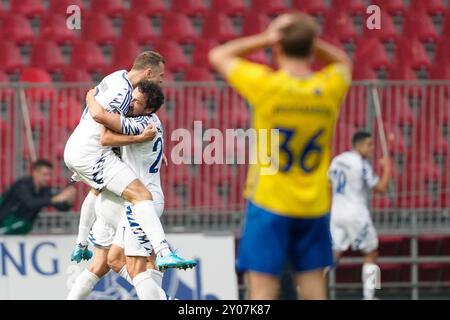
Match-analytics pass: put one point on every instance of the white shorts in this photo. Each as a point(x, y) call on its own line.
point(126, 239)
point(353, 228)
point(109, 208)
point(107, 171)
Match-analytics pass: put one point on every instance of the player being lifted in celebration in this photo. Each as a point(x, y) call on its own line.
point(101, 168)
point(352, 179)
point(144, 157)
point(288, 212)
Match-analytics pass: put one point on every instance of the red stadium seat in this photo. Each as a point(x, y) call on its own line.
point(190, 7)
point(354, 107)
point(37, 75)
point(201, 50)
point(371, 52)
point(435, 109)
point(432, 244)
point(75, 74)
point(10, 57)
point(198, 74)
point(47, 55)
point(98, 28)
point(123, 54)
point(430, 6)
point(53, 28)
point(269, 7)
point(138, 27)
point(433, 271)
point(340, 24)
point(218, 27)
point(382, 203)
point(428, 136)
point(148, 7)
point(348, 273)
point(411, 53)
point(17, 28)
point(254, 23)
point(395, 272)
point(203, 197)
point(363, 73)
point(112, 8)
point(388, 31)
point(179, 28)
point(401, 72)
point(88, 56)
point(29, 8)
point(394, 246)
point(440, 72)
point(395, 139)
point(420, 26)
point(353, 7)
point(395, 109)
point(446, 25)
point(60, 6)
point(173, 200)
point(393, 7)
point(68, 112)
point(442, 58)
point(228, 7)
point(172, 52)
point(313, 7)
point(3, 77)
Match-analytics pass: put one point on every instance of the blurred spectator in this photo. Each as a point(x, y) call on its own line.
point(24, 200)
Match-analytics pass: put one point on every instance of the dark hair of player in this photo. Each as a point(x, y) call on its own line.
point(298, 37)
point(154, 94)
point(360, 136)
point(41, 163)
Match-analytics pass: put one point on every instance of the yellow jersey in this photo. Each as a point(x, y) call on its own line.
point(304, 110)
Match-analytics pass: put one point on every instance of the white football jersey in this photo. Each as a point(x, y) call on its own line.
point(352, 179)
point(114, 94)
point(145, 159)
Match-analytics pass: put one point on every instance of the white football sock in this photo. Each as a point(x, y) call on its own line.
point(370, 280)
point(157, 276)
point(124, 274)
point(87, 218)
point(146, 287)
point(145, 215)
point(83, 285)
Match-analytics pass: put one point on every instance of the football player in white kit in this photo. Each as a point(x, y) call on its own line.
point(101, 168)
point(352, 179)
point(145, 159)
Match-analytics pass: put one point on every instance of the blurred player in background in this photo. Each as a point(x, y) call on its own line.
point(147, 99)
point(101, 168)
point(352, 179)
point(288, 212)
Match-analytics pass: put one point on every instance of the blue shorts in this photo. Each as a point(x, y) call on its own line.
point(269, 239)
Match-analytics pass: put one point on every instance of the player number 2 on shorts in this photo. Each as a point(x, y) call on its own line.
point(312, 147)
point(154, 166)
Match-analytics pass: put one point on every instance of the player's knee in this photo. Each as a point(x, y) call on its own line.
point(99, 269)
point(371, 256)
point(136, 192)
point(115, 263)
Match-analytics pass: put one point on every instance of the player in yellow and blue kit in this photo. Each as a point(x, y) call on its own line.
point(288, 211)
